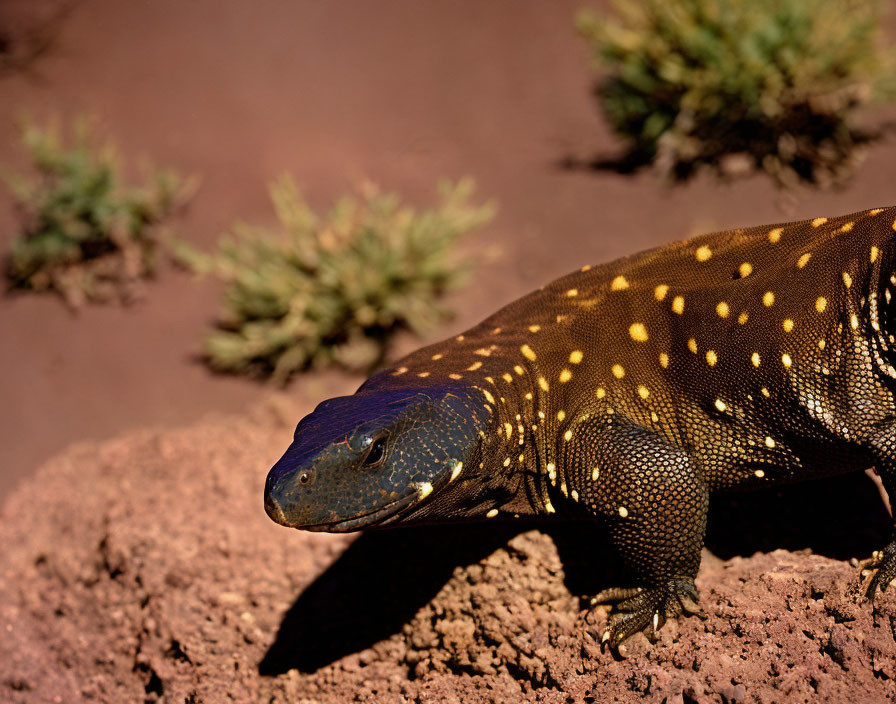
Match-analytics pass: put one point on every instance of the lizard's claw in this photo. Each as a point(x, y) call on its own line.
point(883, 564)
point(647, 609)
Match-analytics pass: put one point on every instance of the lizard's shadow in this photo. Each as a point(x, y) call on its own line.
point(377, 585)
point(373, 589)
point(838, 517)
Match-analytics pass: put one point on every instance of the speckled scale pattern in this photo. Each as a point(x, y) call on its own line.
point(636, 388)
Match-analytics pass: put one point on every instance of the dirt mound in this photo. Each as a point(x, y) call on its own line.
point(145, 569)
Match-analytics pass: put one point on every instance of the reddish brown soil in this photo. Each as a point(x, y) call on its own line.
point(144, 567)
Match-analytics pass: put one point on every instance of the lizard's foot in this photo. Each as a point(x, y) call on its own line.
point(647, 609)
point(883, 564)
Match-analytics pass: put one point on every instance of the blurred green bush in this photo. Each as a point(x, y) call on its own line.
point(333, 289)
point(770, 84)
point(84, 234)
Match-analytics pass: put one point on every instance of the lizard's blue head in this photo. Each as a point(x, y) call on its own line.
point(375, 457)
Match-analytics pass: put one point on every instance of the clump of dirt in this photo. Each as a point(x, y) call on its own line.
point(145, 569)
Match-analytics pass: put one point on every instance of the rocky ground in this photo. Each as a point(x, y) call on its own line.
point(144, 569)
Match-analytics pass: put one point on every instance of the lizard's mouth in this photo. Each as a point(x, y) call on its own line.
point(368, 519)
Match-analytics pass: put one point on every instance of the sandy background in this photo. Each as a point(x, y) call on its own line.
point(403, 92)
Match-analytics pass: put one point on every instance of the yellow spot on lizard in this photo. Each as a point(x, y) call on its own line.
point(638, 332)
point(620, 283)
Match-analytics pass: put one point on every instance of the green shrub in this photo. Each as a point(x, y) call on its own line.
point(772, 84)
point(84, 234)
point(333, 289)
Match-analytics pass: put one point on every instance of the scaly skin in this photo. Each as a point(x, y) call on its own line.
point(635, 389)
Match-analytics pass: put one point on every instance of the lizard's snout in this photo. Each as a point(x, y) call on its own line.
point(272, 508)
point(271, 504)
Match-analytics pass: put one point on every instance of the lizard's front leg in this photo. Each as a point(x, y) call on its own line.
point(654, 499)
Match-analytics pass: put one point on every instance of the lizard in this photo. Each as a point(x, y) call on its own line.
point(628, 393)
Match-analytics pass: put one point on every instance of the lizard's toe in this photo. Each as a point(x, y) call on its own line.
point(647, 609)
point(883, 564)
point(615, 595)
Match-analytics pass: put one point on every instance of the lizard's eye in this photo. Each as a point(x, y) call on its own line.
point(377, 452)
